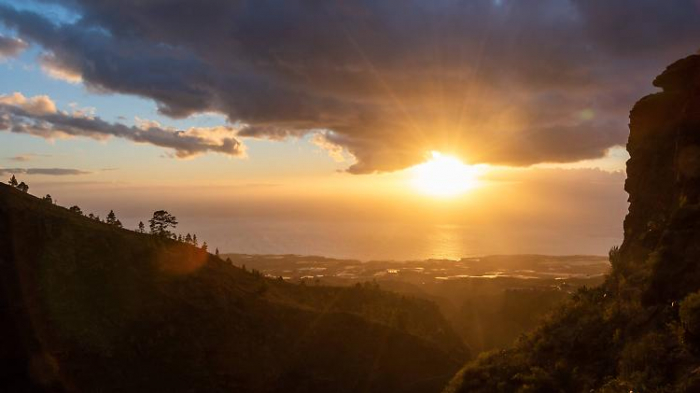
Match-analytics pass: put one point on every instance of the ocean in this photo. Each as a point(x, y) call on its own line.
point(390, 240)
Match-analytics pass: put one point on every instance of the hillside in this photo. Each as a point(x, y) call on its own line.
point(640, 330)
point(489, 301)
point(90, 307)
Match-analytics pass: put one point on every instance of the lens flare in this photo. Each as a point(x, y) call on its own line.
point(445, 176)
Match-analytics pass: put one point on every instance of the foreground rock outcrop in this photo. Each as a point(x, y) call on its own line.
point(639, 331)
point(662, 229)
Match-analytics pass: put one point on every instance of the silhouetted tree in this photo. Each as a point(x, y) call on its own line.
point(205, 247)
point(194, 240)
point(118, 224)
point(179, 238)
point(161, 222)
point(615, 259)
point(142, 228)
point(111, 218)
point(47, 198)
point(13, 181)
point(188, 239)
point(23, 187)
point(216, 252)
point(75, 209)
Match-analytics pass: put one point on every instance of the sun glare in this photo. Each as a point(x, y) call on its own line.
point(445, 176)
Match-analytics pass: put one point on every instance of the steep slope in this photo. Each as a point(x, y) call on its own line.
point(640, 330)
point(89, 307)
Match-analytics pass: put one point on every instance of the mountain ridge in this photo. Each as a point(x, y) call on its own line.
point(90, 307)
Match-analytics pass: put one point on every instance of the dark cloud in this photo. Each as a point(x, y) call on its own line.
point(42, 171)
point(18, 117)
point(495, 81)
point(11, 47)
point(271, 132)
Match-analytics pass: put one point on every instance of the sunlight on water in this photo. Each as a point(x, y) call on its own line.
point(390, 241)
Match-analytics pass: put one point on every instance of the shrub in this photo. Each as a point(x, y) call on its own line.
point(690, 313)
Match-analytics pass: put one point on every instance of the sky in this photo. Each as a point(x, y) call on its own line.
point(236, 113)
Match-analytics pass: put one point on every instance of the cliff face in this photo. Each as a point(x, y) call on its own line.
point(662, 229)
point(640, 330)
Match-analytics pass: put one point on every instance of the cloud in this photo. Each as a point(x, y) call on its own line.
point(54, 68)
point(38, 116)
point(271, 132)
point(496, 82)
point(37, 105)
point(335, 151)
point(26, 157)
point(11, 47)
point(42, 171)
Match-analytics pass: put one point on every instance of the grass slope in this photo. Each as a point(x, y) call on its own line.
point(90, 307)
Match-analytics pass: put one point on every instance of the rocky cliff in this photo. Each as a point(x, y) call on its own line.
point(662, 229)
point(640, 330)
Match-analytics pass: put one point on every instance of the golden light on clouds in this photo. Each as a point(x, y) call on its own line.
point(445, 176)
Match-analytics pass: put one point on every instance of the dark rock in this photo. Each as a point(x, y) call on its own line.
point(663, 182)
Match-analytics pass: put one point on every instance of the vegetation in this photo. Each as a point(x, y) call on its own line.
point(603, 339)
point(161, 222)
point(20, 186)
point(121, 311)
point(112, 220)
point(690, 317)
point(486, 313)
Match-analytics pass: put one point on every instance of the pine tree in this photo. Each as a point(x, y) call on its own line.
point(48, 199)
point(75, 209)
point(111, 218)
point(142, 228)
point(205, 247)
point(118, 224)
point(179, 238)
point(13, 181)
point(216, 252)
point(23, 187)
point(161, 222)
point(194, 240)
point(188, 239)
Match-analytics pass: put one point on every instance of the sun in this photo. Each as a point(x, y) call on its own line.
point(445, 176)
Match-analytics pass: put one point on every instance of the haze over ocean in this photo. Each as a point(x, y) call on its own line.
point(390, 241)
